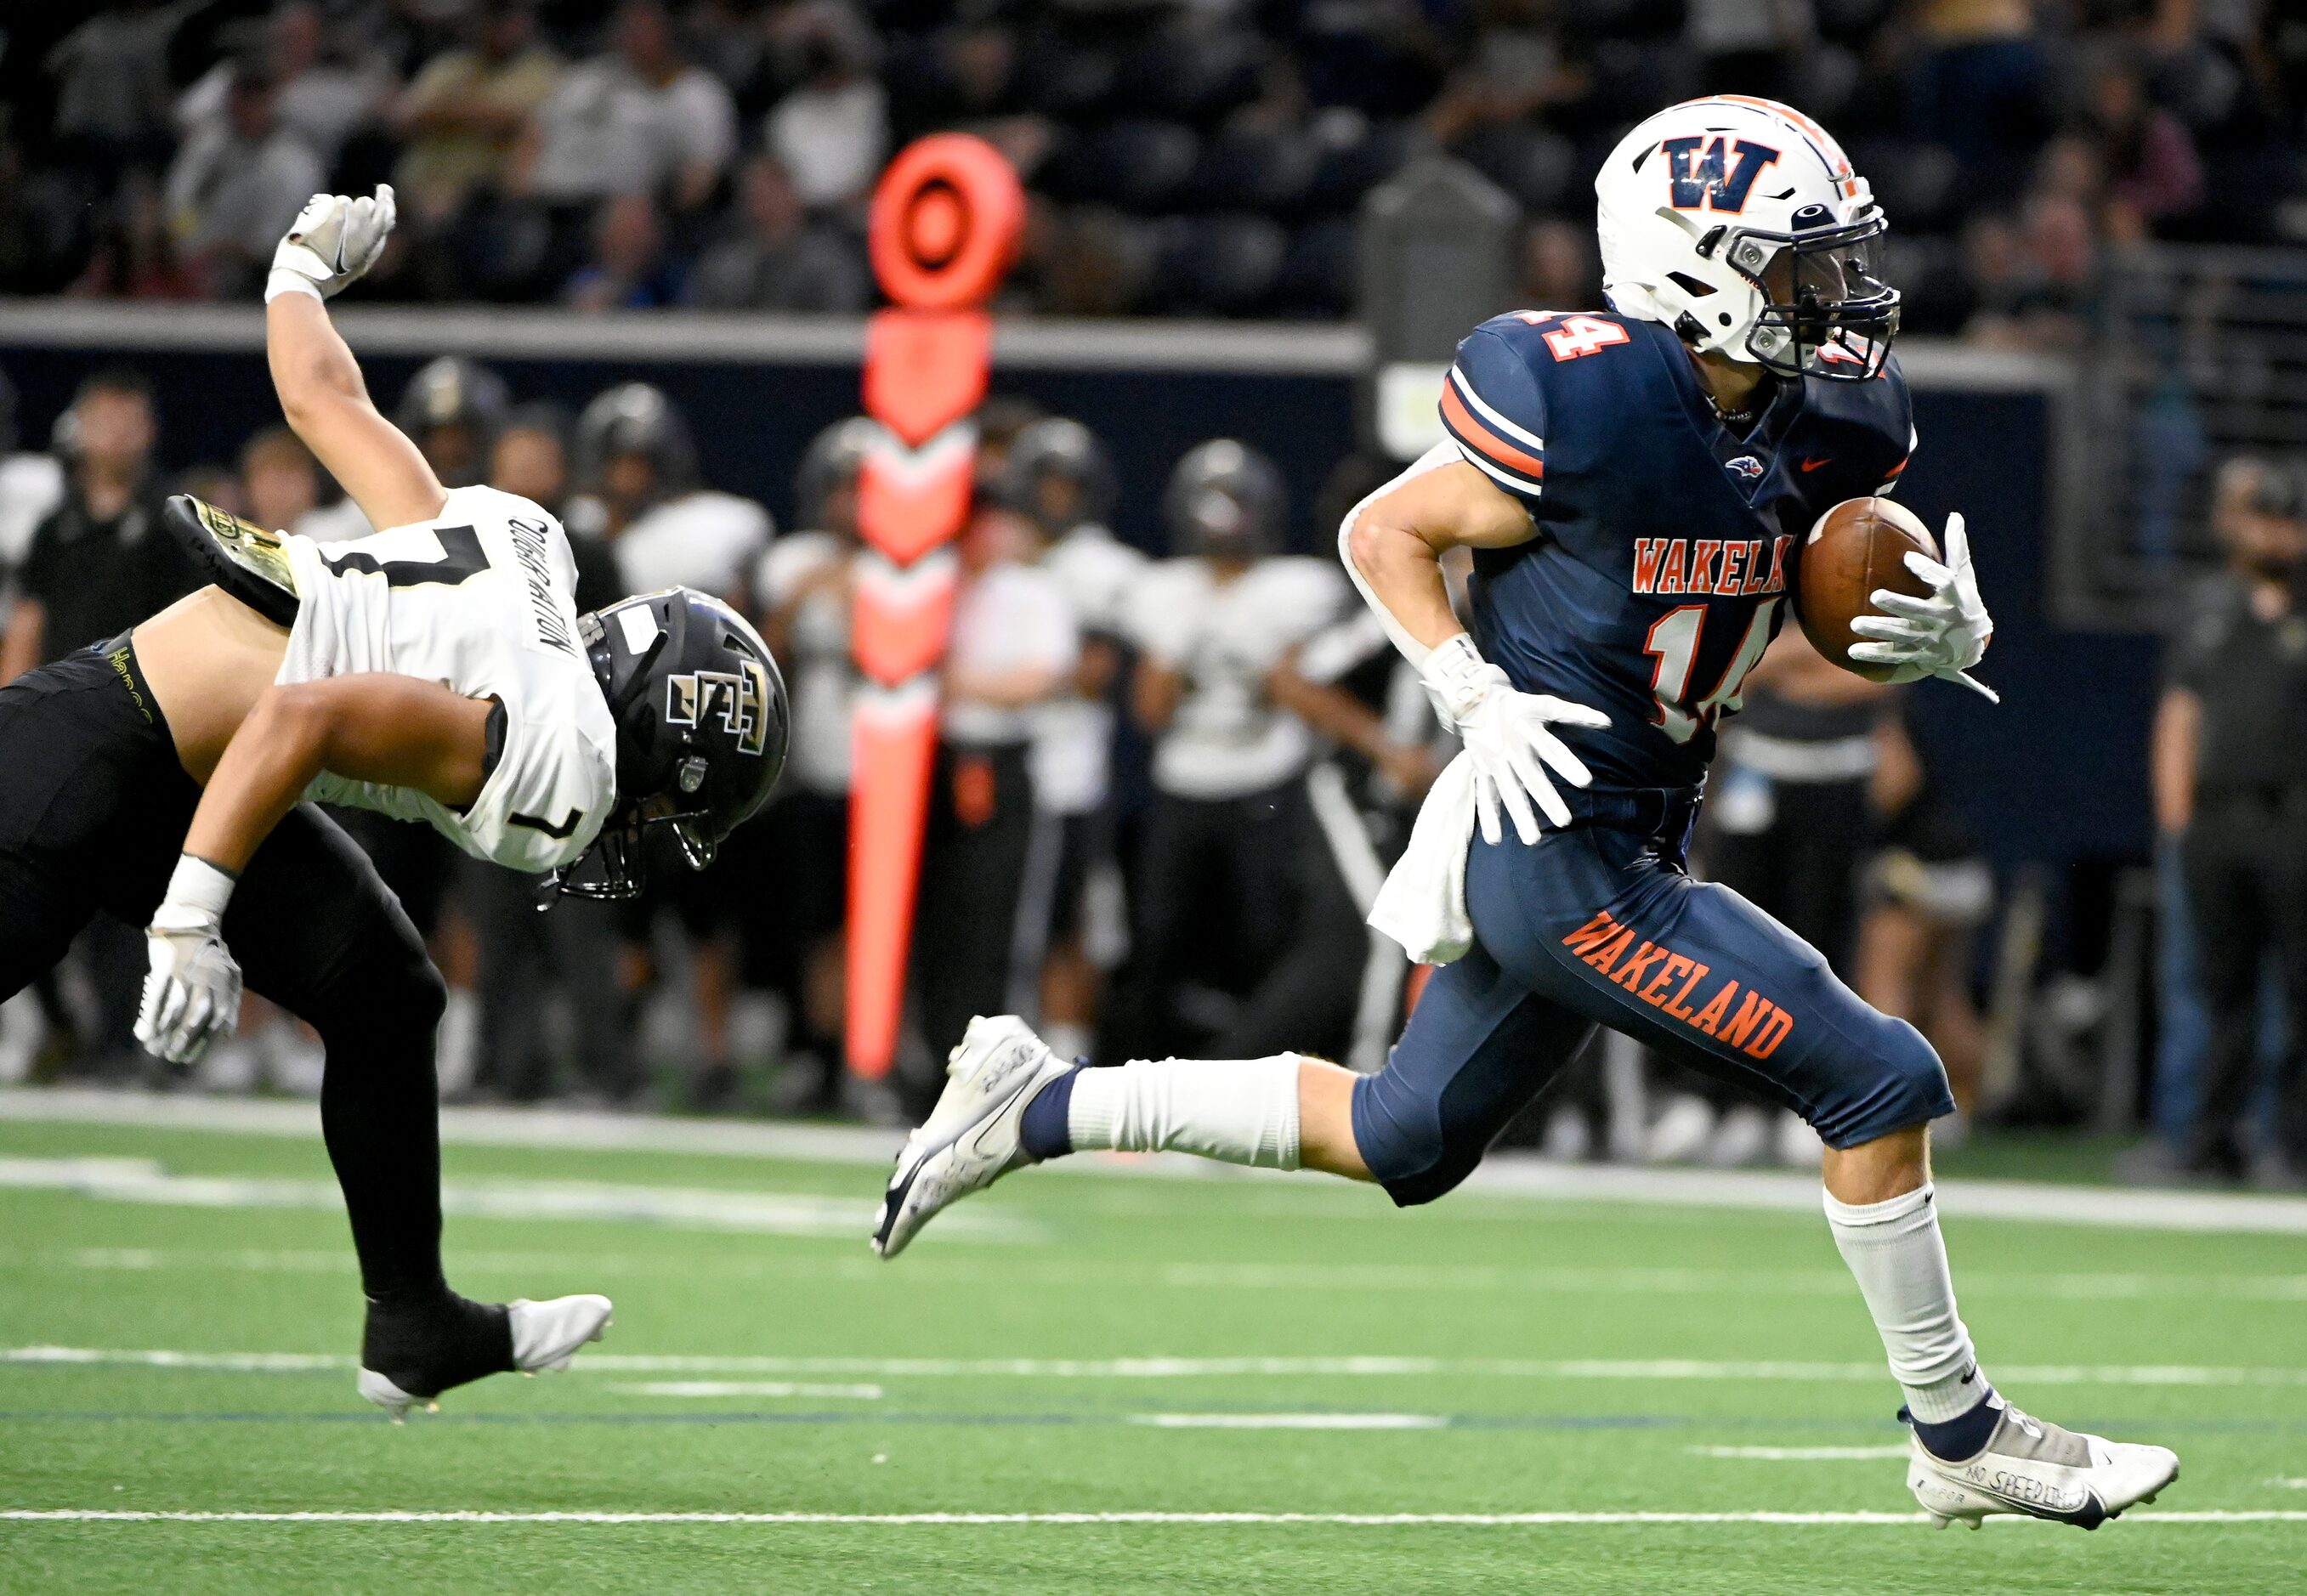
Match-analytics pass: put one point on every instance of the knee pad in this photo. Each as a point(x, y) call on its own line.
point(1903, 1085)
point(1402, 1142)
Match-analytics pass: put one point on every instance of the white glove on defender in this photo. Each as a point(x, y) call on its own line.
point(1944, 635)
point(332, 241)
point(1507, 735)
point(191, 995)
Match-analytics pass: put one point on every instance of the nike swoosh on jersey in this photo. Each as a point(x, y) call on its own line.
point(1814, 464)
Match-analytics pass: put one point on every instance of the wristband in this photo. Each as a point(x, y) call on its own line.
point(283, 280)
point(200, 886)
point(1456, 676)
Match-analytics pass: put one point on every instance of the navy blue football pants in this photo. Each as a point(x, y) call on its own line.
point(1601, 924)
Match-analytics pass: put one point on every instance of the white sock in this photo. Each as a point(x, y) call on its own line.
point(1242, 1110)
point(1894, 1249)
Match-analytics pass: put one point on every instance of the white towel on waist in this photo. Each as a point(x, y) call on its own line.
point(1422, 905)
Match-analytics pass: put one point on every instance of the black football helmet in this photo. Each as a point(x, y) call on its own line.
point(1060, 447)
point(453, 408)
point(635, 418)
point(832, 462)
point(702, 720)
point(1226, 500)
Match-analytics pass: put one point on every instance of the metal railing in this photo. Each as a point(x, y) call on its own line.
point(2198, 352)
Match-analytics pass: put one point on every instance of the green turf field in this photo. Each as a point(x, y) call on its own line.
point(1089, 1345)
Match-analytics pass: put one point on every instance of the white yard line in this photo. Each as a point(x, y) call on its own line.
point(749, 1388)
point(685, 1208)
point(1507, 1176)
point(1371, 1366)
point(1800, 1454)
point(1290, 1420)
point(965, 1520)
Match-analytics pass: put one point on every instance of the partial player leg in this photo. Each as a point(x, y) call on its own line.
point(1621, 935)
point(1479, 1049)
point(317, 931)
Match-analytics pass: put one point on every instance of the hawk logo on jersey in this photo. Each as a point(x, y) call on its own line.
point(741, 696)
point(1713, 174)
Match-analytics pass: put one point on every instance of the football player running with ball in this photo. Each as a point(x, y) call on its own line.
point(1634, 484)
point(437, 672)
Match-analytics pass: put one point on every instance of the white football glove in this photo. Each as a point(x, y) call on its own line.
point(1942, 635)
point(192, 994)
point(1507, 735)
point(332, 241)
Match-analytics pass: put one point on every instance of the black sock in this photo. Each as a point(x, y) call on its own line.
point(1041, 1129)
point(426, 1341)
point(1954, 1439)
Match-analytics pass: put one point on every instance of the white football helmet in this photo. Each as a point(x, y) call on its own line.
point(1740, 223)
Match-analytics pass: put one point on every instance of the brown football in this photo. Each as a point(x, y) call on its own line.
point(1857, 547)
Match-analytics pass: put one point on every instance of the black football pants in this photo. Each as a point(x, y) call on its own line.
point(2245, 859)
point(1244, 891)
point(93, 811)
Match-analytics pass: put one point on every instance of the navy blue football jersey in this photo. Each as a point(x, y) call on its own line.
point(1667, 548)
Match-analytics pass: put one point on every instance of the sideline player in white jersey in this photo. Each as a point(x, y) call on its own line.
point(437, 672)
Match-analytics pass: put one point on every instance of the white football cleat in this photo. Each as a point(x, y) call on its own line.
point(970, 1137)
point(2039, 1471)
point(545, 1336)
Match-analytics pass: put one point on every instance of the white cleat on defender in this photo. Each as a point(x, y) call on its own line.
point(970, 1139)
point(545, 1336)
point(2039, 1471)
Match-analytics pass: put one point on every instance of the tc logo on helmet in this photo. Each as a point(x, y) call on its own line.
point(742, 696)
point(1706, 173)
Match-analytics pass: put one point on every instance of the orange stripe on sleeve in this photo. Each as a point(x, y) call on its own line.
point(1480, 436)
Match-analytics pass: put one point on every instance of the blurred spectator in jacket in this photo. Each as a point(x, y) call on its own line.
point(832, 132)
point(464, 113)
point(323, 94)
point(112, 84)
point(775, 257)
point(639, 119)
point(239, 179)
point(2153, 172)
point(629, 270)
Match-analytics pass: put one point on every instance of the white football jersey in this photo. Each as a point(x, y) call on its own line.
point(706, 540)
point(481, 600)
point(1229, 739)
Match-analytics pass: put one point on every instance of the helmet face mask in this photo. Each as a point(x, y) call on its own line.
point(1826, 311)
point(1740, 223)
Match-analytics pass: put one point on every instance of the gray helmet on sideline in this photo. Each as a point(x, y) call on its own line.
point(1226, 500)
point(635, 418)
point(452, 409)
point(1058, 448)
point(831, 462)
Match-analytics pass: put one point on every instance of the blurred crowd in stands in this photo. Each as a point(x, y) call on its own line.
point(1169, 782)
point(1186, 156)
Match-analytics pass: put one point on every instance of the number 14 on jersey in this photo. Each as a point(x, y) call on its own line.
point(1673, 647)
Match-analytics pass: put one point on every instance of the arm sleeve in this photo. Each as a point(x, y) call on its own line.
point(1493, 411)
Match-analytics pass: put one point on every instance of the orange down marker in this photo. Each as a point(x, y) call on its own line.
point(947, 220)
